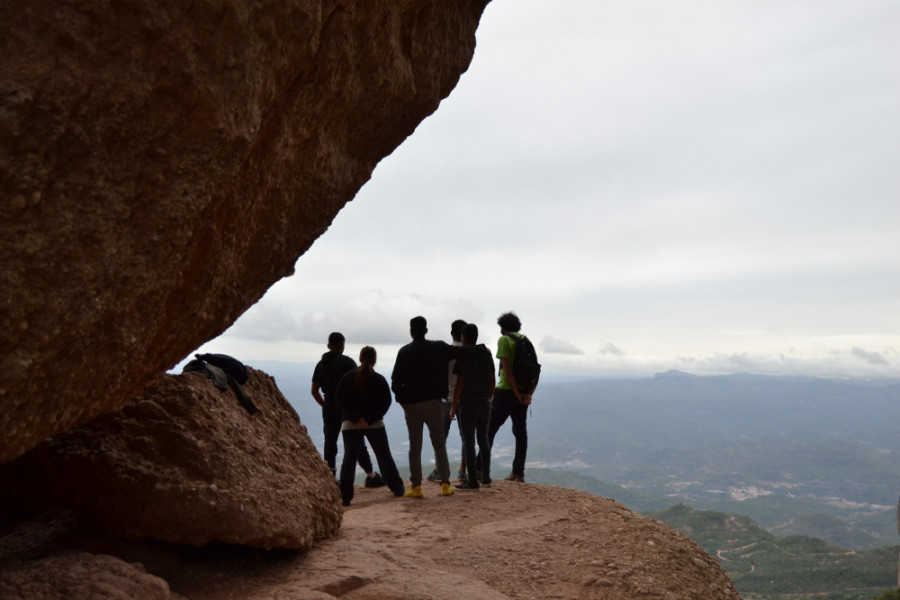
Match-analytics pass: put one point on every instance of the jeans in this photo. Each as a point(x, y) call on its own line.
point(447, 424)
point(473, 426)
point(503, 406)
point(429, 413)
point(354, 442)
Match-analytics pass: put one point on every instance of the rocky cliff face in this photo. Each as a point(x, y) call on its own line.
point(162, 164)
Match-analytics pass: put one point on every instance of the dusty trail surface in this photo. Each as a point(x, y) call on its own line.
point(507, 541)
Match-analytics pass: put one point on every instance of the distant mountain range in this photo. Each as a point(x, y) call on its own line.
point(817, 457)
point(787, 451)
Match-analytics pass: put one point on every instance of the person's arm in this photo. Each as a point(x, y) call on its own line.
point(397, 379)
point(379, 398)
point(526, 398)
point(511, 379)
point(493, 374)
point(457, 392)
point(316, 394)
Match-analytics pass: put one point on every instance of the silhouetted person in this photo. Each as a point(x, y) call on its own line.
point(327, 374)
point(456, 335)
point(363, 397)
point(509, 400)
point(472, 406)
point(419, 381)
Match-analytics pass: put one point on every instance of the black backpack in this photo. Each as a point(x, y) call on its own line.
point(229, 364)
point(525, 368)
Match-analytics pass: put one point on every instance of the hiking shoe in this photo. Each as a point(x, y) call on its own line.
point(486, 482)
point(514, 477)
point(446, 489)
point(433, 476)
point(414, 492)
point(461, 476)
point(375, 481)
point(466, 486)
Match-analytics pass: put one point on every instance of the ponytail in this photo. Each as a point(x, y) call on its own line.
point(365, 369)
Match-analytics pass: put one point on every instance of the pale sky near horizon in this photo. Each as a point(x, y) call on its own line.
point(704, 186)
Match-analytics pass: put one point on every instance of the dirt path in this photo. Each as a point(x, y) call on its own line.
point(508, 541)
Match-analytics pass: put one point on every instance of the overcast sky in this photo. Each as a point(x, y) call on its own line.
point(706, 186)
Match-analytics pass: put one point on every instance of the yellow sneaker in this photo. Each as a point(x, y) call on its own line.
point(414, 492)
point(446, 489)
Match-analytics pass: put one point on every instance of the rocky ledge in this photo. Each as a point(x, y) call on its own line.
point(509, 541)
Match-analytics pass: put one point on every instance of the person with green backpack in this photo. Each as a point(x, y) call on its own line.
point(519, 375)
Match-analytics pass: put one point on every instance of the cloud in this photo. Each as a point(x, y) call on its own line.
point(835, 363)
point(554, 345)
point(611, 349)
point(874, 358)
point(371, 318)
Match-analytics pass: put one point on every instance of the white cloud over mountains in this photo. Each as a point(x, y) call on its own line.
point(556, 345)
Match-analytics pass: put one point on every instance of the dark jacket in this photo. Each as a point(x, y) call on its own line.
point(476, 365)
point(328, 373)
point(420, 371)
point(371, 405)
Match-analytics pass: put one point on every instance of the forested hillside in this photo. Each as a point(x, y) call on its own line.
point(762, 565)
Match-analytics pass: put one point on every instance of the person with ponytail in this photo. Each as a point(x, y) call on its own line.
point(364, 398)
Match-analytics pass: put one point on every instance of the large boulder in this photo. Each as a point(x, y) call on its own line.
point(186, 463)
point(162, 164)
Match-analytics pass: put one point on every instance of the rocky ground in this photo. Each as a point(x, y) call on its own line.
point(508, 541)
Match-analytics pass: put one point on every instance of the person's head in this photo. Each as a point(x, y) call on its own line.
point(336, 341)
point(367, 356)
point(509, 322)
point(418, 327)
point(456, 329)
point(470, 334)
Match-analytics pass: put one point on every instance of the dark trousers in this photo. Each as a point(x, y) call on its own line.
point(473, 426)
point(503, 406)
point(447, 420)
point(354, 440)
point(447, 423)
point(331, 427)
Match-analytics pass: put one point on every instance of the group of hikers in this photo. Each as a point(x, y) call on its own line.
point(435, 383)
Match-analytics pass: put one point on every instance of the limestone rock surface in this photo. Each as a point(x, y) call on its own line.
point(163, 163)
point(185, 463)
